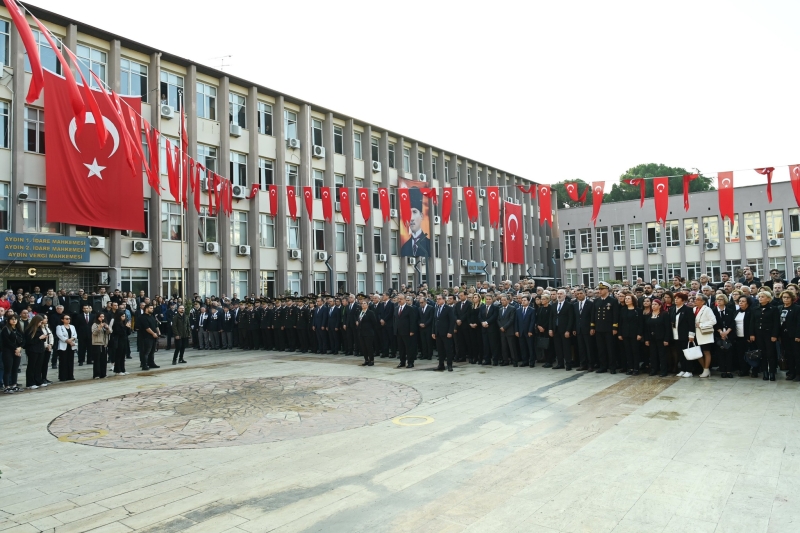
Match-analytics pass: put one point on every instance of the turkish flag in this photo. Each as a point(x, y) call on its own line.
point(327, 206)
point(472, 203)
point(227, 196)
point(290, 195)
point(767, 172)
point(211, 186)
point(151, 135)
point(493, 199)
point(405, 205)
point(513, 246)
point(545, 205)
point(78, 170)
point(528, 190)
point(344, 204)
point(597, 199)
point(430, 192)
point(794, 176)
point(583, 196)
point(447, 204)
point(308, 196)
point(725, 183)
point(273, 200)
point(199, 170)
point(364, 202)
point(31, 47)
point(88, 95)
point(661, 198)
point(253, 191)
point(572, 190)
point(384, 198)
point(688, 178)
point(172, 170)
point(638, 182)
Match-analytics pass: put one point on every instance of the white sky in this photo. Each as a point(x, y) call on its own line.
point(545, 90)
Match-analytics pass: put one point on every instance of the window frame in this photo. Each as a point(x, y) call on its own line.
point(205, 99)
point(265, 234)
point(264, 115)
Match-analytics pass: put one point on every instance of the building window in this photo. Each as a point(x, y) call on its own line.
point(460, 213)
point(393, 239)
point(239, 228)
point(420, 163)
point(46, 54)
point(207, 227)
point(207, 156)
point(34, 212)
point(267, 283)
point(731, 229)
point(341, 239)
point(587, 277)
point(85, 231)
point(692, 270)
point(135, 280)
point(291, 176)
point(711, 229)
point(357, 145)
point(436, 245)
point(657, 273)
point(572, 276)
point(138, 234)
point(171, 283)
point(618, 234)
point(450, 246)
point(672, 233)
point(341, 282)
point(265, 173)
point(316, 132)
point(752, 226)
point(713, 271)
point(171, 222)
point(171, 89)
point(406, 160)
point(569, 241)
point(319, 235)
point(391, 155)
point(446, 170)
point(637, 239)
point(691, 232)
point(603, 274)
point(293, 233)
point(376, 240)
point(93, 60)
point(34, 130)
point(433, 166)
point(294, 282)
point(5, 134)
point(264, 118)
point(376, 197)
point(379, 282)
point(375, 156)
point(239, 282)
point(779, 263)
point(774, 221)
point(585, 238)
point(637, 272)
point(238, 169)
point(237, 109)
point(673, 269)
point(338, 182)
point(319, 282)
point(290, 124)
point(360, 239)
point(4, 191)
point(206, 101)
point(266, 230)
point(653, 235)
point(734, 267)
point(4, 42)
point(338, 140)
point(133, 79)
point(794, 222)
point(756, 267)
point(361, 282)
point(602, 239)
point(319, 183)
point(209, 283)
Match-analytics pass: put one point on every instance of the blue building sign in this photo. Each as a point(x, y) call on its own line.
point(38, 247)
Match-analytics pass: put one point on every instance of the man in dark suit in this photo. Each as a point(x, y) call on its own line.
point(425, 327)
point(351, 310)
point(526, 324)
point(83, 326)
point(334, 325)
point(507, 322)
point(366, 326)
point(562, 323)
point(418, 243)
point(303, 325)
point(214, 327)
point(444, 323)
point(584, 311)
point(462, 309)
point(226, 320)
point(490, 332)
point(386, 321)
point(319, 324)
point(267, 323)
point(406, 325)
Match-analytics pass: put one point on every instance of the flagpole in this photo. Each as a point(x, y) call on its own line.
point(180, 194)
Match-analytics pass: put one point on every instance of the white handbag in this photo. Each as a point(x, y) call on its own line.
point(692, 353)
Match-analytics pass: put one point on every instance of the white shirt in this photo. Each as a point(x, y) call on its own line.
point(677, 319)
point(739, 324)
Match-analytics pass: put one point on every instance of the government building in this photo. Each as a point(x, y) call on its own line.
point(249, 134)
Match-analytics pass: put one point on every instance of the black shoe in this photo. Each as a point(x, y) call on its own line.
point(449, 368)
point(80, 364)
point(653, 374)
point(401, 365)
point(154, 366)
point(365, 363)
point(495, 363)
point(601, 371)
point(662, 375)
point(772, 377)
point(440, 368)
point(558, 367)
point(629, 372)
point(765, 377)
point(145, 368)
point(390, 357)
point(547, 365)
point(742, 373)
point(174, 362)
point(635, 372)
point(126, 357)
point(612, 371)
point(796, 378)
point(410, 365)
point(568, 368)
point(789, 377)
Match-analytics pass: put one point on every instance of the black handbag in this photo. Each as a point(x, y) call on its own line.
point(753, 357)
point(542, 343)
point(723, 344)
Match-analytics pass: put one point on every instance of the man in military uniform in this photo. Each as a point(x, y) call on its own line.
point(243, 326)
point(604, 328)
point(254, 326)
point(267, 318)
point(194, 314)
point(303, 326)
point(290, 325)
point(277, 326)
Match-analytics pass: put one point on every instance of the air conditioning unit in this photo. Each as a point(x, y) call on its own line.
point(393, 213)
point(204, 184)
point(294, 254)
point(775, 242)
point(376, 166)
point(239, 191)
point(318, 152)
point(236, 130)
point(652, 250)
point(509, 199)
point(412, 261)
point(322, 256)
point(211, 247)
point(450, 261)
point(359, 257)
point(338, 207)
point(526, 236)
point(140, 247)
point(167, 112)
point(381, 258)
point(501, 231)
point(242, 250)
point(97, 242)
point(482, 193)
point(473, 226)
point(569, 255)
point(495, 264)
point(463, 262)
point(423, 177)
point(102, 278)
point(294, 144)
point(712, 246)
point(437, 220)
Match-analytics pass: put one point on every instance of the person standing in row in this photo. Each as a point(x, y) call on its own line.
point(67, 340)
point(657, 332)
point(444, 323)
point(12, 341)
point(406, 324)
point(148, 331)
point(683, 331)
point(99, 348)
point(526, 327)
point(426, 341)
point(766, 325)
point(367, 328)
point(181, 331)
point(562, 323)
point(584, 312)
point(490, 332)
point(119, 345)
point(35, 340)
point(630, 333)
point(507, 322)
point(604, 328)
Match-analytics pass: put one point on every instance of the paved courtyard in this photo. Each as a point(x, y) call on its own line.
point(255, 442)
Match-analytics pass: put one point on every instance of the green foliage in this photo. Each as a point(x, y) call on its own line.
point(559, 190)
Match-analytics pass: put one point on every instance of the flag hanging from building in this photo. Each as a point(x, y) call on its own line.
point(383, 196)
point(327, 206)
point(472, 203)
point(794, 176)
point(447, 204)
point(768, 173)
point(661, 198)
point(273, 200)
point(290, 196)
point(725, 183)
point(254, 188)
point(344, 204)
point(493, 199)
point(364, 202)
point(31, 48)
point(687, 179)
point(513, 246)
point(545, 205)
point(405, 205)
point(597, 199)
point(572, 190)
point(638, 182)
point(308, 196)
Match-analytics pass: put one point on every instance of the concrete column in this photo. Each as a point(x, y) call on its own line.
point(71, 42)
point(305, 178)
point(330, 229)
point(398, 163)
point(224, 163)
point(414, 165)
point(484, 242)
point(115, 236)
point(787, 243)
point(192, 281)
point(533, 222)
point(430, 263)
point(444, 228)
point(253, 222)
point(281, 276)
point(386, 228)
point(762, 215)
point(457, 214)
point(497, 276)
point(154, 229)
point(17, 62)
point(349, 183)
point(369, 245)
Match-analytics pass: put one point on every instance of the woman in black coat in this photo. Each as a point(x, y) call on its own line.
point(474, 331)
point(743, 336)
point(542, 318)
point(366, 328)
point(12, 342)
point(725, 330)
point(35, 339)
point(630, 333)
point(790, 333)
point(681, 318)
point(766, 325)
point(657, 333)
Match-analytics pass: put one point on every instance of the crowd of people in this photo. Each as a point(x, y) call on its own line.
point(743, 327)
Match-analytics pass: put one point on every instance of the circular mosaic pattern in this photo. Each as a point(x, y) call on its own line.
point(234, 412)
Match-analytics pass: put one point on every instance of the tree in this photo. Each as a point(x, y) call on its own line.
point(560, 191)
point(621, 191)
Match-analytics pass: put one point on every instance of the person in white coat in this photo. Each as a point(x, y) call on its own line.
point(67, 340)
point(705, 321)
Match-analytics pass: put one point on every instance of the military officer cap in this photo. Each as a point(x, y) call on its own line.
point(604, 284)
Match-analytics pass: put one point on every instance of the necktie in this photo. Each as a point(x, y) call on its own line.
point(361, 317)
point(559, 307)
point(87, 319)
point(580, 311)
point(503, 312)
point(438, 311)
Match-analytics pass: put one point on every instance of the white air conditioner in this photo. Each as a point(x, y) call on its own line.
point(437, 220)
point(423, 177)
point(167, 112)
point(412, 261)
point(381, 258)
point(294, 254)
point(293, 143)
point(242, 250)
point(712, 246)
point(359, 257)
point(652, 250)
point(463, 262)
point(569, 255)
point(239, 191)
point(322, 256)
point(211, 247)
point(140, 247)
point(509, 199)
point(482, 193)
point(376, 166)
point(97, 242)
point(775, 242)
point(473, 226)
point(102, 278)
point(204, 184)
point(338, 207)
point(236, 130)
point(318, 152)
point(495, 264)
point(393, 213)
point(526, 236)
point(450, 261)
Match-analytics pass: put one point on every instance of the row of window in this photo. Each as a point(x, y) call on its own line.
point(670, 234)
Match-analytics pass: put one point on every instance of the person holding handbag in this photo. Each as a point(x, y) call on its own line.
point(67, 341)
point(12, 342)
point(683, 331)
point(766, 325)
point(744, 338)
point(790, 333)
point(657, 333)
point(35, 340)
point(725, 334)
point(705, 323)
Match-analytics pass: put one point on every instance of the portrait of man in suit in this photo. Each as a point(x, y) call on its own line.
point(416, 240)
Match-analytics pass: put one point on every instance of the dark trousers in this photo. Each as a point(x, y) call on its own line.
point(491, 346)
point(266, 339)
point(563, 349)
point(789, 348)
point(444, 347)
point(302, 340)
point(333, 339)
point(83, 349)
point(45, 365)
point(527, 352)
point(254, 336)
point(119, 347)
point(66, 364)
point(425, 343)
point(227, 339)
point(9, 372)
point(406, 348)
point(585, 344)
point(322, 340)
point(180, 348)
point(631, 347)
point(166, 330)
point(658, 357)
point(606, 350)
point(33, 372)
point(462, 342)
point(475, 344)
point(243, 341)
point(352, 340)
point(147, 350)
point(725, 358)
point(509, 348)
point(195, 339)
point(99, 355)
point(387, 338)
point(769, 358)
point(367, 345)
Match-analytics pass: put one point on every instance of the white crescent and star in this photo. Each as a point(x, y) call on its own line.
point(94, 169)
point(513, 232)
point(570, 187)
point(324, 194)
point(598, 190)
point(469, 192)
point(492, 195)
point(796, 170)
point(112, 129)
point(383, 192)
point(363, 196)
point(728, 180)
point(308, 194)
point(660, 187)
point(545, 191)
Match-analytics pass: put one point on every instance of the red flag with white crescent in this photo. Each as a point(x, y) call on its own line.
point(151, 135)
point(545, 205)
point(794, 176)
point(172, 171)
point(513, 245)
point(405, 205)
point(364, 202)
point(725, 183)
point(597, 199)
point(582, 199)
point(273, 200)
point(430, 192)
point(254, 188)
point(88, 96)
point(768, 173)
point(572, 190)
point(687, 178)
point(344, 203)
point(472, 203)
point(493, 199)
point(383, 195)
point(638, 182)
point(291, 196)
point(32, 49)
point(211, 185)
point(308, 196)
point(199, 172)
point(447, 204)
point(661, 198)
point(327, 205)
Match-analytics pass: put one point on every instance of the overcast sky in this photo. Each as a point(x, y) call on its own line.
point(545, 90)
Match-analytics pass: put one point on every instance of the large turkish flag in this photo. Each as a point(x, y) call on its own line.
point(82, 178)
point(513, 246)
